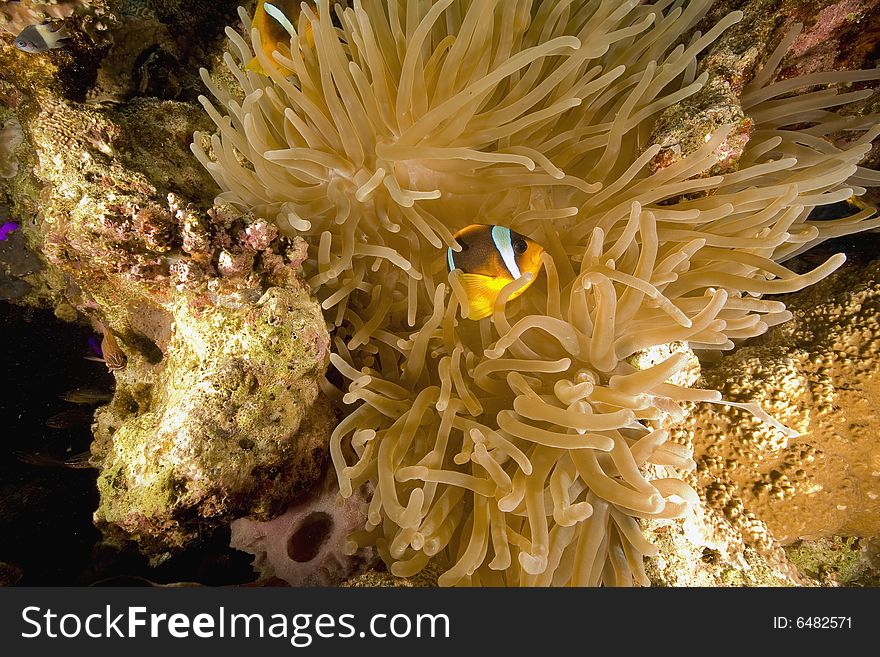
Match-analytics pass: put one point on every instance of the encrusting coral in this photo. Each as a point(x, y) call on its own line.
point(817, 374)
point(15, 16)
point(521, 449)
point(93, 17)
point(305, 546)
point(10, 138)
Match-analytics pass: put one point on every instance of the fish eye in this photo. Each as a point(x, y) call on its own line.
point(520, 246)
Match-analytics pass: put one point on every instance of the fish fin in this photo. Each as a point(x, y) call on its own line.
point(861, 204)
point(53, 39)
point(482, 292)
point(81, 461)
point(254, 65)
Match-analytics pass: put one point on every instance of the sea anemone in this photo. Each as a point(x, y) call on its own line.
point(521, 449)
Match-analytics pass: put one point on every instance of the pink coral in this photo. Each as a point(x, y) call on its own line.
point(305, 546)
point(230, 263)
point(187, 272)
point(259, 235)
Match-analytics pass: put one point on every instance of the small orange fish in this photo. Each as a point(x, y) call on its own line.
point(275, 22)
point(111, 353)
point(490, 258)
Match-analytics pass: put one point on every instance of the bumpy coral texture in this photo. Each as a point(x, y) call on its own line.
point(15, 16)
point(514, 450)
point(818, 374)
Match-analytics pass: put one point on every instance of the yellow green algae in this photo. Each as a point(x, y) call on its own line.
point(230, 422)
point(425, 578)
point(696, 551)
point(838, 561)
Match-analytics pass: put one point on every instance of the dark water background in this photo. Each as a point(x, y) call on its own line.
point(46, 531)
point(45, 512)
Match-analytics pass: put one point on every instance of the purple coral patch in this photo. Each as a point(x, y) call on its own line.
point(7, 228)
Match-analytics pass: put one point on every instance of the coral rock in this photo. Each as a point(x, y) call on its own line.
point(217, 413)
point(820, 375)
point(15, 16)
point(226, 424)
point(701, 550)
point(10, 138)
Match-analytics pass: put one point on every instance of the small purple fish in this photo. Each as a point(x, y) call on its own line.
point(6, 228)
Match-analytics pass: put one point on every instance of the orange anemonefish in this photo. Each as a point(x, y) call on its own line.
point(275, 22)
point(490, 258)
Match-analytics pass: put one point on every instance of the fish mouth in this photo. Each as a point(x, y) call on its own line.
point(537, 260)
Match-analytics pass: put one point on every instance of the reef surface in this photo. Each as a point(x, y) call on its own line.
point(218, 428)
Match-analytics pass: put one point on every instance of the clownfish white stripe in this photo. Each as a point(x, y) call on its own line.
point(279, 16)
point(501, 238)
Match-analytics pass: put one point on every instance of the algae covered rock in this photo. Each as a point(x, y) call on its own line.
point(838, 561)
point(697, 551)
point(215, 342)
point(425, 578)
point(228, 425)
point(824, 35)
